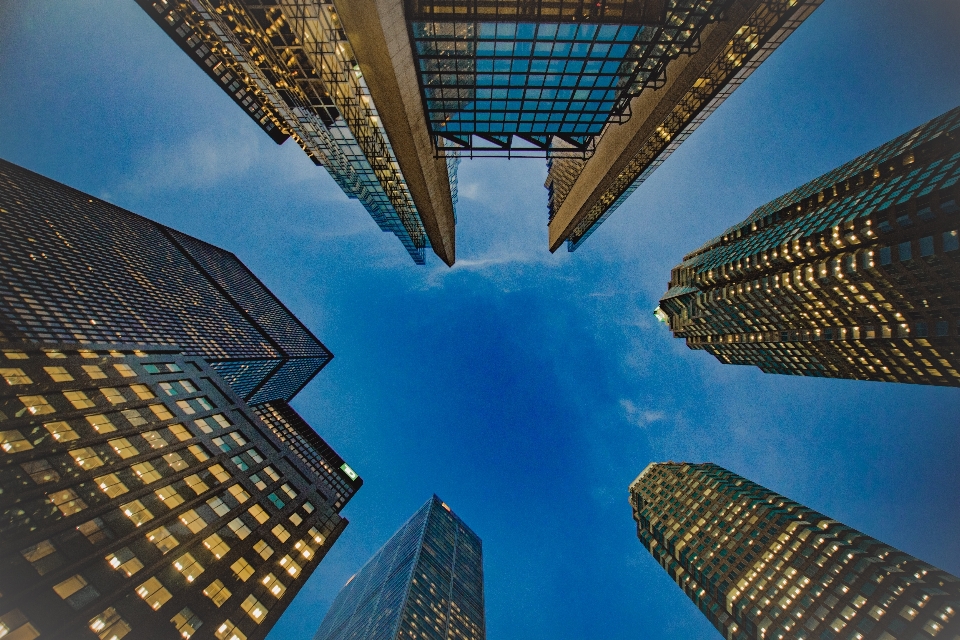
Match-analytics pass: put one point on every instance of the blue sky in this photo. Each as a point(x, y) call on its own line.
point(524, 388)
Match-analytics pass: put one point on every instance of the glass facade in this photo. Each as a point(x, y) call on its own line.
point(337, 481)
point(76, 269)
point(141, 498)
point(289, 64)
point(759, 565)
point(425, 583)
point(852, 275)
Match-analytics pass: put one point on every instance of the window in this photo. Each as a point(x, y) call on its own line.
point(218, 505)
point(76, 591)
point(186, 621)
point(13, 441)
point(195, 483)
point(219, 473)
point(86, 458)
point(133, 417)
point(290, 566)
point(16, 624)
point(259, 513)
point(951, 240)
point(112, 395)
point(229, 631)
point(238, 493)
point(179, 432)
point(58, 374)
point(316, 535)
point(306, 551)
point(926, 246)
point(308, 507)
point(217, 592)
point(175, 461)
point(37, 405)
point(123, 448)
point(943, 328)
point(78, 399)
point(275, 587)
point(263, 549)
point(254, 608)
point(239, 528)
point(61, 431)
point(193, 521)
point(142, 391)
point(124, 560)
point(111, 485)
point(903, 249)
point(169, 496)
point(146, 472)
point(188, 566)
point(15, 376)
point(221, 420)
point(255, 456)
point(95, 531)
point(270, 471)
point(161, 411)
point(163, 539)
point(154, 439)
point(101, 423)
point(885, 258)
point(287, 489)
point(216, 545)
point(281, 533)
point(94, 372)
point(275, 499)
point(198, 452)
point(153, 593)
point(125, 370)
point(40, 471)
point(109, 625)
point(137, 513)
point(67, 501)
point(203, 425)
point(43, 556)
point(258, 481)
point(242, 569)
point(15, 355)
point(241, 464)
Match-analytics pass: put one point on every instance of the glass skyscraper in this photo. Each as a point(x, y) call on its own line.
point(74, 268)
point(141, 498)
point(425, 583)
point(852, 275)
point(759, 565)
point(388, 94)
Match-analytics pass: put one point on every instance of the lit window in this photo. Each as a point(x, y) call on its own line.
point(198, 452)
point(270, 471)
point(15, 355)
point(13, 441)
point(95, 531)
point(15, 376)
point(154, 439)
point(219, 473)
point(163, 539)
point(287, 489)
point(94, 372)
point(169, 497)
point(112, 395)
point(123, 448)
point(193, 521)
point(76, 591)
point(161, 411)
point(316, 535)
point(67, 501)
point(239, 493)
point(58, 374)
point(242, 569)
point(86, 458)
point(125, 370)
point(308, 507)
point(38, 405)
point(186, 623)
point(216, 545)
point(281, 533)
point(137, 513)
point(254, 608)
point(101, 423)
point(109, 625)
point(188, 566)
point(258, 481)
point(133, 417)
point(179, 432)
point(55, 355)
point(124, 560)
point(175, 461)
point(239, 528)
point(263, 549)
point(185, 407)
point(221, 420)
point(259, 513)
point(217, 592)
point(61, 431)
point(304, 549)
point(241, 464)
point(218, 505)
point(229, 631)
point(290, 566)
point(275, 499)
point(153, 593)
point(203, 425)
point(146, 472)
point(16, 624)
point(195, 483)
point(142, 391)
point(111, 485)
point(273, 585)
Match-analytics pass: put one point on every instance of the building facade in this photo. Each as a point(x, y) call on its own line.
point(74, 268)
point(855, 274)
point(759, 565)
point(140, 497)
point(425, 583)
point(387, 94)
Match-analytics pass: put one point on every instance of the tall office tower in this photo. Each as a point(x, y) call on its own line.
point(76, 269)
point(605, 90)
point(425, 583)
point(140, 497)
point(853, 275)
point(759, 565)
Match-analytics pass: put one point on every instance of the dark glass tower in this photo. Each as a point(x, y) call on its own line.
point(76, 269)
point(759, 565)
point(853, 275)
point(425, 583)
point(141, 498)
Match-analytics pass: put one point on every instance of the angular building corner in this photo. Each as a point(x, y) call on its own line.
point(759, 565)
point(425, 582)
point(852, 275)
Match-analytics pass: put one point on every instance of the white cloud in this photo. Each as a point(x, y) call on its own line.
point(641, 416)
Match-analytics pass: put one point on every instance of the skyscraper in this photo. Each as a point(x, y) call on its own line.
point(759, 565)
point(74, 268)
point(140, 497)
point(386, 94)
point(853, 275)
point(425, 583)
